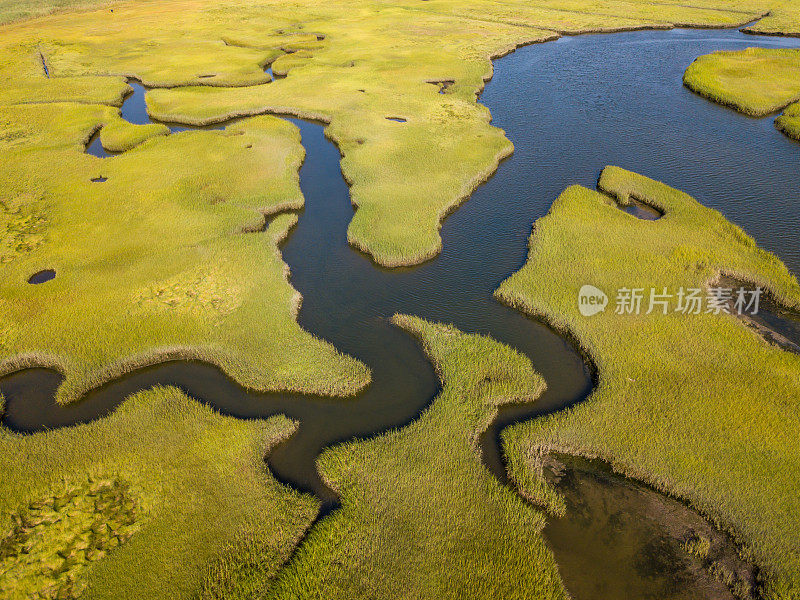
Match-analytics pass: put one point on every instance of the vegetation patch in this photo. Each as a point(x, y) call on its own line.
point(783, 18)
point(157, 254)
point(755, 81)
point(157, 500)
point(698, 405)
point(421, 517)
point(55, 538)
point(23, 223)
point(119, 135)
point(789, 121)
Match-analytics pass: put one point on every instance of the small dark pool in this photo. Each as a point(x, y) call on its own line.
point(42, 276)
point(642, 211)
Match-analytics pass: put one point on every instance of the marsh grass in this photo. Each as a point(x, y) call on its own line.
point(420, 515)
point(783, 18)
point(405, 180)
point(755, 81)
point(789, 121)
point(699, 406)
point(193, 489)
point(120, 135)
point(55, 539)
point(158, 256)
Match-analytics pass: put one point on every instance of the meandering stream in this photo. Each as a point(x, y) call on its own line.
point(570, 107)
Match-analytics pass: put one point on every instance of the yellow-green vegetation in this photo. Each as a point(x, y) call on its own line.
point(119, 135)
point(789, 121)
point(755, 81)
point(133, 252)
point(162, 499)
point(421, 517)
point(783, 18)
point(698, 405)
point(156, 262)
point(55, 539)
point(352, 64)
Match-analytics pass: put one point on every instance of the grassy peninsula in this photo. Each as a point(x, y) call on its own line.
point(163, 499)
point(698, 405)
point(421, 517)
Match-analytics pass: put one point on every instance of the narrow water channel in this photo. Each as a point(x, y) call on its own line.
point(570, 107)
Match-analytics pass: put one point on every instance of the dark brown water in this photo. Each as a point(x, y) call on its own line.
point(570, 107)
point(774, 322)
point(640, 210)
point(617, 526)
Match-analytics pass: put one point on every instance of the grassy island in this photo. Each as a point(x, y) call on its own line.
point(755, 81)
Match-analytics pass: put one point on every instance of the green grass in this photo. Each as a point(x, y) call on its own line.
point(755, 81)
point(789, 121)
point(158, 254)
point(163, 499)
point(185, 281)
point(698, 405)
point(120, 135)
point(375, 61)
point(783, 19)
point(421, 517)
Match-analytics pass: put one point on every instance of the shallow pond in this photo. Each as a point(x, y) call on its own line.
point(615, 526)
point(570, 107)
point(42, 276)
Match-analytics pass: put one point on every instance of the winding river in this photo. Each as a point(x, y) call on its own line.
point(571, 107)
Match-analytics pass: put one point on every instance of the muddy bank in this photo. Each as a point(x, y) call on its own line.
point(776, 323)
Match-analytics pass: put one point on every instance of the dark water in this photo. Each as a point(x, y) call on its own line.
point(348, 301)
point(640, 210)
point(623, 540)
point(779, 326)
point(775, 323)
point(44, 65)
point(577, 104)
point(42, 276)
point(134, 110)
point(570, 107)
